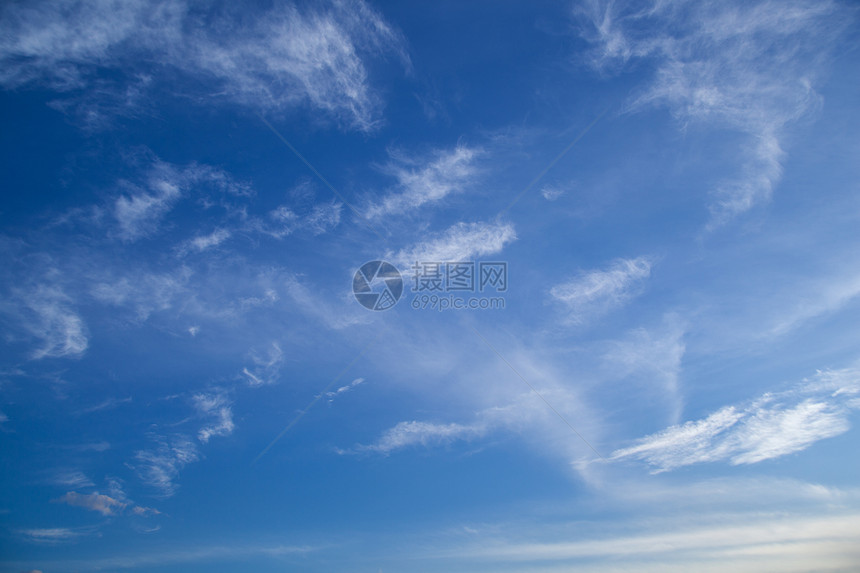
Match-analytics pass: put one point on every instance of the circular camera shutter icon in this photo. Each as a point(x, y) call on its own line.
point(377, 285)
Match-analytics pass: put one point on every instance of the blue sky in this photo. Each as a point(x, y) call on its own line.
point(670, 380)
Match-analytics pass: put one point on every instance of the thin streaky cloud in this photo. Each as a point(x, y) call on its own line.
point(159, 467)
point(461, 242)
point(420, 183)
point(283, 58)
point(320, 177)
point(774, 425)
point(46, 313)
point(216, 408)
point(53, 534)
point(740, 66)
point(411, 433)
point(539, 394)
point(596, 292)
point(316, 398)
point(71, 478)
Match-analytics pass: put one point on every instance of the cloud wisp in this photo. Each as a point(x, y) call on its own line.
point(461, 242)
point(746, 67)
point(774, 425)
point(420, 183)
point(283, 58)
point(596, 292)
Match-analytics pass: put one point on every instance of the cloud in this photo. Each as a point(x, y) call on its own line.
point(216, 407)
point(419, 183)
point(267, 369)
point(52, 535)
point(283, 221)
point(46, 313)
point(772, 426)
point(139, 211)
point(343, 389)
point(339, 315)
point(72, 478)
point(791, 543)
point(213, 239)
point(818, 297)
point(144, 292)
point(461, 242)
point(277, 58)
point(103, 504)
point(596, 292)
point(523, 412)
point(412, 433)
point(551, 193)
point(748, 67)
point(160, 467)
point(653, 358)
point(106, 404)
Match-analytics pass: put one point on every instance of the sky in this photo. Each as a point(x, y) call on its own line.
point(429, 287)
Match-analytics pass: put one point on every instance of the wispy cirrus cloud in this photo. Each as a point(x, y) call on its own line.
point(331, 395)
point(416, 433)
point(116, 503)
point(285, 57)
point(740, 541)
point(652, 357)
point(267, 368)
point(774, 425)
point(422, 182)
point(748, 67)
point(596, 292)
point(53, 534)
point(47, 314)
point(103, 504)
point(460, 242)
point(284, 220)
point(159, 467)
point(140, 208)
point(71, 478)
point(216, 407)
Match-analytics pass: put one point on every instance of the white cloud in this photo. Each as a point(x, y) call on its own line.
point(283, 221)
point(737, 542)
point(143, 292)
point(748, 67)
point(772, 426)
point(160, 467)
point(406, 434)
point(816, 298)
point(551, 193)
point(213, 239)
point(338, 315)
point(266, 369)
point(653, 358)
point(46, 313)
point(343, 389)
point(461, 242)
point(216, 407)
point(51, 535)
point(72, 478)
point(417, 184)
point(103, 504)
point(139, 211)
point(106, 404)
point(280, 58)
point(596, 292)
